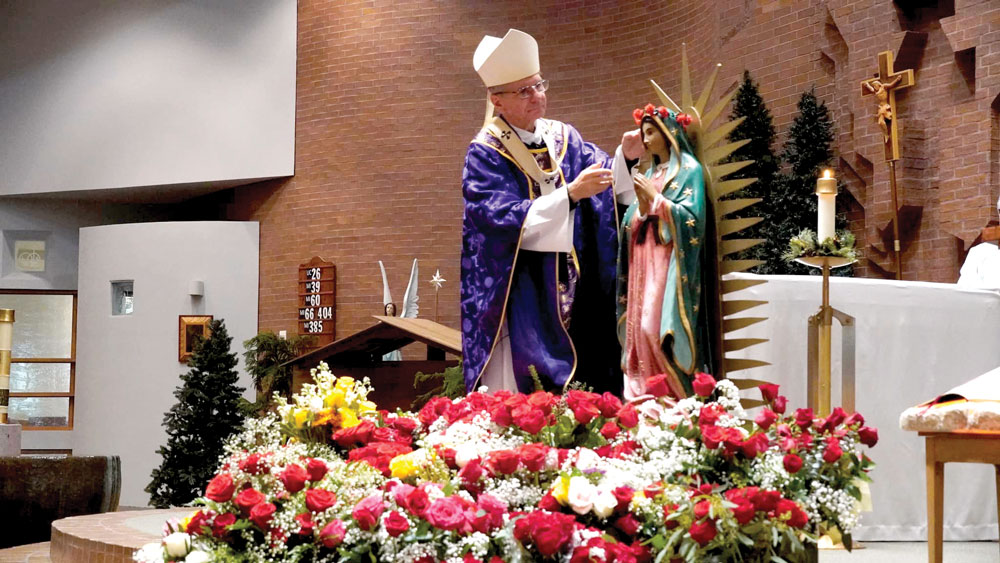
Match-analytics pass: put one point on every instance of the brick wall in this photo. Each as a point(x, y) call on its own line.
point(387, 102)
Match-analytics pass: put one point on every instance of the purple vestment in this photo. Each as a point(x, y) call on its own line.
point(497, 273)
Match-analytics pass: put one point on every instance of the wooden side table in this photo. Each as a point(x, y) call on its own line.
point(942, 447)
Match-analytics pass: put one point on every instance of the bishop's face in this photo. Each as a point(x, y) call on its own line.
point(521, 112)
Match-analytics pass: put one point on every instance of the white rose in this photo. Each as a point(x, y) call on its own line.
point(587, 459)
point(581, 495)
point(552, 459)
point(464, 454)
point(605, 504)
point(177, 544)
point(197, 556)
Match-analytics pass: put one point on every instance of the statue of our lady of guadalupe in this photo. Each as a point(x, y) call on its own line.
point(662, 320)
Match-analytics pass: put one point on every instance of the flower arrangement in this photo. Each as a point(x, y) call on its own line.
point(495, 477)
point(663, 113)
point(804, 244)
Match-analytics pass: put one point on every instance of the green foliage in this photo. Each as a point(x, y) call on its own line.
point(206, 413)
point(804, 244)
point(264, 356)
point(452, 384)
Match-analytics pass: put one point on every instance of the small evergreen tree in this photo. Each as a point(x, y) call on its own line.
point(206, 413)
point(758, 126)
point(791, 205)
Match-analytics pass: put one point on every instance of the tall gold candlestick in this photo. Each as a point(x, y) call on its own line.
point(6, 339)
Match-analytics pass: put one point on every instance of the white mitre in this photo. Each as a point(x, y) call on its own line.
point(501, 61)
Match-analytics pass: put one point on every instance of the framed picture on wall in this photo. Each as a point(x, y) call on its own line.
point(192, 327)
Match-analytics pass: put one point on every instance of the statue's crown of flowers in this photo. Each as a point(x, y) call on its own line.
point(682, 118)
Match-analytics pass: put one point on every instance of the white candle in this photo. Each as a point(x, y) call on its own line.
point(826, 191)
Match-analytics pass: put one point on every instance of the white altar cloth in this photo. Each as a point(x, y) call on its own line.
point(915, 340)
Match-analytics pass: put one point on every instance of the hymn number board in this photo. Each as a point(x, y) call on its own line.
point(317, 300)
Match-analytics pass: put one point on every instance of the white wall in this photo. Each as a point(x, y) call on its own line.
point(127, 366)
point(98, 94)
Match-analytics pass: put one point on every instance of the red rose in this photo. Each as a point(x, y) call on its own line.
point(703, 384)
point(448, 455)
point(609, 405)
point(792, 463)
point(657, 386)
point(472, 472)
point(712, 436)
point(248, 498)
point(649, 109)
point(529, 418)
point(623, 495)
point(628, 417)
point(333, 534)
point(433, 410)
point(701, 509)
point(504, 462)
point(637, 115)
point(709, 415)
point(403, 424)
point(494, 510)
point(294, 478)
point(446, 514)
point(367, 511)
point(357, 435)
point(703, 532)
point(305, 523)
point(834, 419)
point(765, 501)
point(868, 436)
point(779, 404)
point(316, 468)
point(609, 430)
point(833, 451)
point(542, 400)
point(756, 444)
point(796, 517)
point(500, 413)
point(804, 417)
point(769, 391)
point(552, 533)
point(198, 521)
point(533, 456)
point(318, 500)
point(417, 501)
point(261, 514)
point(744, 513)
point(220, 488)
point(583, 405)
point(396, 524)
point(628, 524)
point(765, 418)
point(549, 503)
point(254, 464)
point(222, 522)
point(854, 418)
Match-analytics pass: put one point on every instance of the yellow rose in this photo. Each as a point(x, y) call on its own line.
point(335, 398)
point(560, 490)
point(367, 406)
point(301, 416)
point(348, 419)
point(402, 466)
point(344, 383)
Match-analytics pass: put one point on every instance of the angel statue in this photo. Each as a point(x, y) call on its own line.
point(661, 322)
point(409, 304)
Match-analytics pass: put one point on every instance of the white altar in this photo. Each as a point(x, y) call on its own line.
point(915, 340)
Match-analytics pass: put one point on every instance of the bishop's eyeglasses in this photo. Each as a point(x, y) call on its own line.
point(524, 93)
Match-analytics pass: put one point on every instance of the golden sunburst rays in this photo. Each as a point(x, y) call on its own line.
point(713, 152)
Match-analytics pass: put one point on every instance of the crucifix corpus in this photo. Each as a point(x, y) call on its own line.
point(884, 86)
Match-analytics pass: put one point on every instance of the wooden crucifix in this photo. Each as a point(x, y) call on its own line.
point(884, 86)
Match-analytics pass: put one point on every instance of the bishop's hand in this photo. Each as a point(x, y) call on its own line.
point(592, 181)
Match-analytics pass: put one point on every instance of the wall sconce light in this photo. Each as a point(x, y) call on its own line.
point(196, 288)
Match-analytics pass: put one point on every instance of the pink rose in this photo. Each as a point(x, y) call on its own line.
point(333, 534)
point(657, 386)
point(779, 404)
point(765, 418)
point(446, 514)
point(367, 511)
